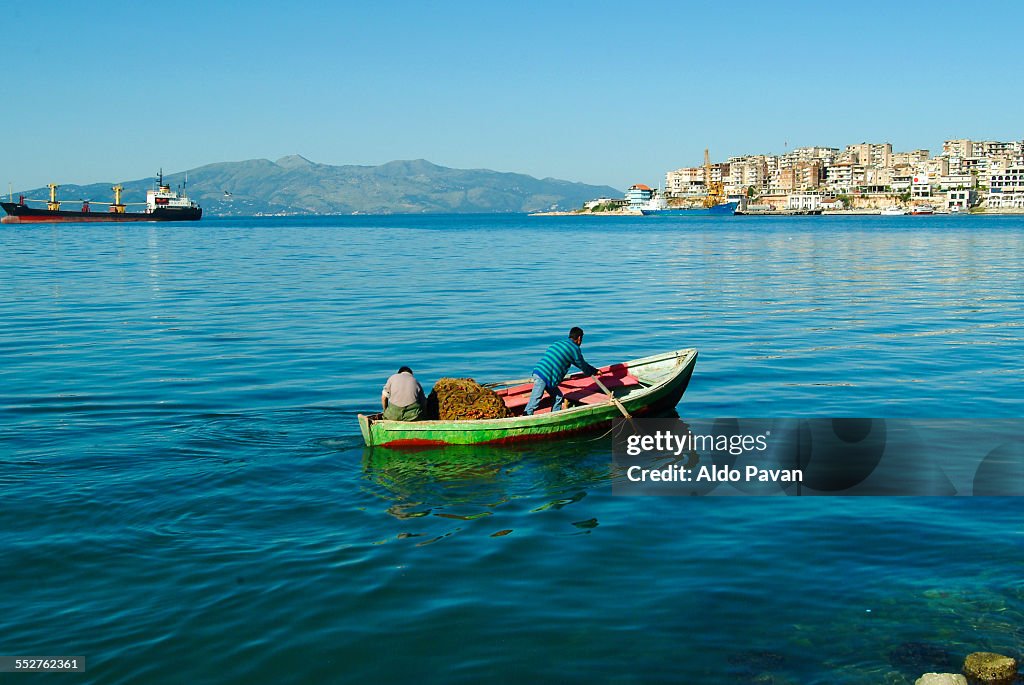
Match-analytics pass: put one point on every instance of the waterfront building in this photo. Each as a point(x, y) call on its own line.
point(961, 200)
point(612, 202)
point(1006, 190)
point(921, 186)
point(808, 202)
point(637, 195)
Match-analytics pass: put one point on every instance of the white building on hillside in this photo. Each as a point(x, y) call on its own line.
point(1006, 190)
point(638, 195)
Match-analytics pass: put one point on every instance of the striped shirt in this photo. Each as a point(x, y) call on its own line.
point(555, 363)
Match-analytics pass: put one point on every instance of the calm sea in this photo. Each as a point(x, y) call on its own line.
point(186, 497)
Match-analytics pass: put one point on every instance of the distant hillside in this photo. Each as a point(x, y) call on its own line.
point(295, 185)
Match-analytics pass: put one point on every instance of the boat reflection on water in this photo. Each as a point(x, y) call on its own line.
point(468, 482)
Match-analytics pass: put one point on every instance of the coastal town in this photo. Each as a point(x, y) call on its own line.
point(865, 178)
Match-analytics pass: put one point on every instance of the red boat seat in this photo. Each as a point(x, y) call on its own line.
point(578, 389)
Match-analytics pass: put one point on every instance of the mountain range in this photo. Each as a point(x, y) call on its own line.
point(295, 185)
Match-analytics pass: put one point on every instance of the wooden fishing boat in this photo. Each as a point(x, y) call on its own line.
point(642, 386)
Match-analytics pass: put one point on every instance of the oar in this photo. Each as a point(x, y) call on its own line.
point(612, 397)
point(521, 381)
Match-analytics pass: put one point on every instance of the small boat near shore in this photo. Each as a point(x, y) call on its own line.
point(893, 210)
point(922, 210)
point(642, 386)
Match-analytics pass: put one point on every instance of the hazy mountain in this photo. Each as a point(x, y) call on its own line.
point(295, 185)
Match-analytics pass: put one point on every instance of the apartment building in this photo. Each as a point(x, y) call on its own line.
point(840, 177)
point(1006, 190)
point(921, 186)
point(808, 154)
point(935, 167)
point(878, 178)
point(956, 181)
point(990, 148)
point(638, 195)
point(689, 181)
point(961, 200)
point(746, 172)
point(871, 154)
point(802, 176)
point(958, 148)
point(902, 179)
point(909, 158)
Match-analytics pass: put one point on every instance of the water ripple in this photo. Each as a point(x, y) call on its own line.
point(186, 492)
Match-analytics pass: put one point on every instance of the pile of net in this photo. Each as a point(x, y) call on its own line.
point(463, 398)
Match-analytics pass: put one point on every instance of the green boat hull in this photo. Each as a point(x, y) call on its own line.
point(663, 377)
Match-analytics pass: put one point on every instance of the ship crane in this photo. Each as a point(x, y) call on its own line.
point(715, 189)
point(118, 206)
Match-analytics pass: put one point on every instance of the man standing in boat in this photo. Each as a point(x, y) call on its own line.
point(552, 367)
point(403, 398)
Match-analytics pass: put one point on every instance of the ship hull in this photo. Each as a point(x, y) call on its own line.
point(23, 214)
point(724, 208)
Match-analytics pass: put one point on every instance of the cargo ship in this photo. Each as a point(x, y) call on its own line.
point(162, 204)
point(659, 207)
point(714, 203)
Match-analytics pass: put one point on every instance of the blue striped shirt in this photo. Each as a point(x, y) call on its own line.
point(555, 363)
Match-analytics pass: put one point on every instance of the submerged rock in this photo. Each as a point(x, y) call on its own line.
point(941, 679)
point(759, 659)
point(920, 656)
point(987, 667)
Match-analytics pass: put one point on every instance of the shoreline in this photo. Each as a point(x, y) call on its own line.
point(803, 212)
point(613, 213)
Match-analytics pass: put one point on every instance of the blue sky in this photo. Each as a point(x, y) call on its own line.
point(599, 92)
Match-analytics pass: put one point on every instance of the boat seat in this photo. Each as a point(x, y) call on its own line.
point(577, 389)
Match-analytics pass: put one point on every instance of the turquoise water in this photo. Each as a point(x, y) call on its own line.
point(186, 496)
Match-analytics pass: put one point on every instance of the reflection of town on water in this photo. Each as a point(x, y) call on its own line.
point(467, 482)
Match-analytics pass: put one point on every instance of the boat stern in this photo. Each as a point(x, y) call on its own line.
point(364, 428)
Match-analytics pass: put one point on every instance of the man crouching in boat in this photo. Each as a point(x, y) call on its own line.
point(403, 398)
point(552, 367)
